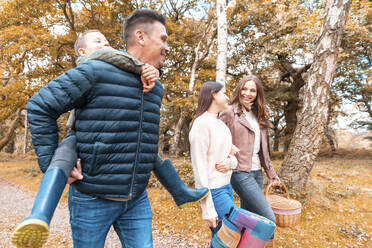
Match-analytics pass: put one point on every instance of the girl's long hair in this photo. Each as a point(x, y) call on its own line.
point(258, 106)
point(206, 96)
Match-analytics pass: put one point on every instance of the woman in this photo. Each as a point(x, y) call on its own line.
point(212, 153)
point(247, 120)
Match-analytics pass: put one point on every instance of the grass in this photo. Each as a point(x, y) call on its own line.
point(336, 214)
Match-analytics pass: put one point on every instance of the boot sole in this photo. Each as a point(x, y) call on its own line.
point(186, 203)
point(32, 233)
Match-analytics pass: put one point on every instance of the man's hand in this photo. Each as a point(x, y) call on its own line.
point(212, 222)
point(225, 165)
point(149, 75)
point(75, 173)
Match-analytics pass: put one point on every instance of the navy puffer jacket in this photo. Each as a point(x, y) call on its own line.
point(116, 126)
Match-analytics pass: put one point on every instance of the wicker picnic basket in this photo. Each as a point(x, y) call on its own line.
point(287, 211)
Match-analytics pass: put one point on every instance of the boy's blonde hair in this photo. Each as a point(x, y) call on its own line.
point(80, 41)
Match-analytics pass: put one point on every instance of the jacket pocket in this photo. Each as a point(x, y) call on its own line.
point(92, 170)
point(81, 197)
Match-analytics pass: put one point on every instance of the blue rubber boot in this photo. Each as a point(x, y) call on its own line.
point(33, 230)
point(181, 193)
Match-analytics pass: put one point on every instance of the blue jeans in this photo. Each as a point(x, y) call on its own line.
point(223, 200)
point(91, 218)
point(248, 185)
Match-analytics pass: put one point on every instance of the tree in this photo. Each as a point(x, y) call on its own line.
point(188, 65)
point(312, 117)
point(7, 137)
point(273, 41)
point(20, 50)
point(37, 39)
point(294, 77)
point(200, 53)
point(354, 82)
point(221, 66)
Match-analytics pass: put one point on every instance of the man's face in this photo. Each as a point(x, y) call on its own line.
point(92, 42)
point(155, 45)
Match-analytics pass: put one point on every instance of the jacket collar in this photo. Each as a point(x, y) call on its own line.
point(241, 117)
point(237, 109)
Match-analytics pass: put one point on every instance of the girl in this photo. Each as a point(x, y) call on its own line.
point(212, 154)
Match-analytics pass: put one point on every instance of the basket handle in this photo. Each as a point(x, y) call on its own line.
point(281, 185)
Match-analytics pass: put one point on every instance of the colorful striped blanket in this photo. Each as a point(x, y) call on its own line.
point(243, 229)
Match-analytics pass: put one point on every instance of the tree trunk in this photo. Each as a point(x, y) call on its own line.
point(312, 118)
point(291, 120)
point(24, 148)
point(276, 131)
point(9, 148)
point(185, 138)
point(294, 76)
point(330, 140)
point(221, 42)
point(4, 141)
point(276, 141)
point(327, 131)
point(173, 149)
point(365, 100)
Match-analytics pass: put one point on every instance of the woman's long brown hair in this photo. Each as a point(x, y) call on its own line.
point(206, 96)
point(258, 107)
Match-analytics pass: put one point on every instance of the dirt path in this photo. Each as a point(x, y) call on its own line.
point(16, 203)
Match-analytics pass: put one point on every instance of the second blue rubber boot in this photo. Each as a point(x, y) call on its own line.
point(33, 230)
point(169, 178)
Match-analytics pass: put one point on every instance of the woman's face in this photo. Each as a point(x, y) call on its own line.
point(221, 99)
point(248, 93)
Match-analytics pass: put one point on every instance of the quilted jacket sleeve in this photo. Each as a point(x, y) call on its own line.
point(70, 90)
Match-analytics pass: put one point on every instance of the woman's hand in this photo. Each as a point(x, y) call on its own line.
point(275, 181)
point(225, 165)
point(234, 150)
point(212, 222)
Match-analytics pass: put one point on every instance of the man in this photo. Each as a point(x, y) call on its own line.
point(33, 230)
point(117, 137)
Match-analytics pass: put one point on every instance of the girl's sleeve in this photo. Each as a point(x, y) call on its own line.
point(233, 153)
point(199, 144)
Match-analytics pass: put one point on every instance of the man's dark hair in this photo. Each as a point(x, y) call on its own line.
point(138, 18)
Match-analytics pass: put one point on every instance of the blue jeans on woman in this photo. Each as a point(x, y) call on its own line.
point(248, 185)
point(223, 200)
point(91, 218)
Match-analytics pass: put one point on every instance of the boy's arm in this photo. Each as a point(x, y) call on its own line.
point(120, 59)
point(149, 76)
point(70, 90)
point(126, 62)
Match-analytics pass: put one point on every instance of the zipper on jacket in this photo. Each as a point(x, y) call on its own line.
point(137, 150)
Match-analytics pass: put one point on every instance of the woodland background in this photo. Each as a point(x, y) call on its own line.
point(277, 40)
